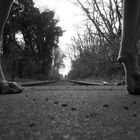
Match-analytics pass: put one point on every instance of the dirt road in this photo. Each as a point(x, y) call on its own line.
point(66, 111)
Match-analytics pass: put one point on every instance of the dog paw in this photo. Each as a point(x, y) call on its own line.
point(134, 88)
point(7, 87)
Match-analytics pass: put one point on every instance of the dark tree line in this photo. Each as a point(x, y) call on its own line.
point(32, 56)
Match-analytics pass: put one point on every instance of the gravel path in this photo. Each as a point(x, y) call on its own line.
point(65, 111)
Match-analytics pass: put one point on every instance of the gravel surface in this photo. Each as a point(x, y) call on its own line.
point(65, 111)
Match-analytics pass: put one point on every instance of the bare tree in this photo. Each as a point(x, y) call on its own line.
point(58, 58)
point(98, 44)
point(103, 22)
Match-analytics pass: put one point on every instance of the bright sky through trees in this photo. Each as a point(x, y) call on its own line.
point(69, 15)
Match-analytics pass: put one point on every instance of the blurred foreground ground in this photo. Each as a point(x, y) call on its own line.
point(66, 111)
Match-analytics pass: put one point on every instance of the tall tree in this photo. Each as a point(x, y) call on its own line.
point(40, 34)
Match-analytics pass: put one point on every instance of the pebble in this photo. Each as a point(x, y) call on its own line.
point(56, 102)
point(126, 108)
point(32, 125)
point(134, 115)
point(73, 108)
point(64, 105)
point(106, 105)
point(134, 102)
